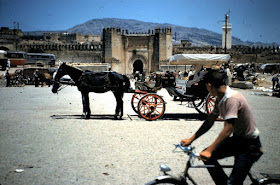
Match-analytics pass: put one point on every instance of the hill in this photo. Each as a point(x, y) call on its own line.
point(194, 35)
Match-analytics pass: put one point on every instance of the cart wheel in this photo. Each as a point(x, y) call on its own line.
point(135, 100)
point(151, 107)
point(210, 105)
point(200, 104)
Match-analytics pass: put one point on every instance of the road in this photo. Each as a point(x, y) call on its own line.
point(45, 140)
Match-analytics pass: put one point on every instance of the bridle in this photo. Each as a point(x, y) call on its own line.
point(60, 86)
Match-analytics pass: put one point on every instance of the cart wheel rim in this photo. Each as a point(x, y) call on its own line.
point(210, 105)
point(135, 100)
point(200, 104)
point(151, 107)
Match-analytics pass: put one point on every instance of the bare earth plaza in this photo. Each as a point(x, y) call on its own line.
point(46, 140)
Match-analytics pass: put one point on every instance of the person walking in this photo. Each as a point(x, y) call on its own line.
point(36, 78)
point(8, 64)
point(275, 82)
point(239, 136)
point(7, 78)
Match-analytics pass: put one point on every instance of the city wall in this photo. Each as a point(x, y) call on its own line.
point(76, 53)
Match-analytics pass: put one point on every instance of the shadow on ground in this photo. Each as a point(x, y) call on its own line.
point(168, 116)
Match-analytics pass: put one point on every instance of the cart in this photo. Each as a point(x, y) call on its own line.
point(151, 106)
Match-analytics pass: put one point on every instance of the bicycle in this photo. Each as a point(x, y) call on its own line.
point(185, 178)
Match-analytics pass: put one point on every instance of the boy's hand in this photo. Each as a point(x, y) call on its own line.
point(186, 142)
point(205, 155)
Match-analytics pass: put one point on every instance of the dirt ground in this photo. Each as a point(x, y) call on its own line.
point(45, 140)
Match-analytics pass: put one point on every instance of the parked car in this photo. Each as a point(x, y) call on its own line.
point(270, 68)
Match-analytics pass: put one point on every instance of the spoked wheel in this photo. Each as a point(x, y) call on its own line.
point(210, 101)
point(135, 100)
point(210, 105)
point(200, 104)
point(164, 181)
point(151, 107)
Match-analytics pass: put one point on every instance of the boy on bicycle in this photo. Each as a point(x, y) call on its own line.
point(239, 137)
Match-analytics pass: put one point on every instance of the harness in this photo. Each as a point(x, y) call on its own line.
point(98, 80)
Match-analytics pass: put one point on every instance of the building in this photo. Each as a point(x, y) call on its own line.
point(131, 52)
point(9, 38)
point(65, 37)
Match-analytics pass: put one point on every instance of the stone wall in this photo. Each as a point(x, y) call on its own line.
point(239, 54)
point(78, 53)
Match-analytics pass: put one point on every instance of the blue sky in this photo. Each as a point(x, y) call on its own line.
point(252, 20)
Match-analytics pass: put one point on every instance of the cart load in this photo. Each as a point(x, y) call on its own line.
point(206, 60)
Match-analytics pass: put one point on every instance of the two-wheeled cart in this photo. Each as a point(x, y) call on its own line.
point(151, 106)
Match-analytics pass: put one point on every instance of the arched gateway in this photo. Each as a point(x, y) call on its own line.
point(130, 52)
point(138, 66)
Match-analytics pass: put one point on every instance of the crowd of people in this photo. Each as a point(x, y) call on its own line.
point(17, 78)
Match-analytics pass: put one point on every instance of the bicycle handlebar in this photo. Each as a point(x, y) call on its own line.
point(187, 149)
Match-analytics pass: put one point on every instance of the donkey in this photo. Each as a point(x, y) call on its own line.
point(98, 82)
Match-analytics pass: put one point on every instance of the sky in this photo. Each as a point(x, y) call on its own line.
point(252, 20)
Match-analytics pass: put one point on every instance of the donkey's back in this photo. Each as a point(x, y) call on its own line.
point(103, 81)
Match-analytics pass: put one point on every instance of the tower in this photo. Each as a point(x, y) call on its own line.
point(162, 46)
point(226, 36)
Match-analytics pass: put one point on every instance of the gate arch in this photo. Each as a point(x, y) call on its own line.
point(137, 62)
point(138, 66)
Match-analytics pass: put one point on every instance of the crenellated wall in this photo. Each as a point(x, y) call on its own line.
point(123, 49)
point(79, 53)
point(239, 54)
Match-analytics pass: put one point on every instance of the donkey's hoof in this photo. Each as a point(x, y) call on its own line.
point(87, 116)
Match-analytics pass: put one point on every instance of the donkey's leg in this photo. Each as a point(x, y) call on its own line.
point(86, 104)
point(121, 104)
point(119, 107)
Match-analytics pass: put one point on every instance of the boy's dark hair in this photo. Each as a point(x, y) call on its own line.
point(215, 78)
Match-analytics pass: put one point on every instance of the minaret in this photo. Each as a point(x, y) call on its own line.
point(226, 36)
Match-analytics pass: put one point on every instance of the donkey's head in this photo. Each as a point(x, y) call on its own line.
point(60, 73)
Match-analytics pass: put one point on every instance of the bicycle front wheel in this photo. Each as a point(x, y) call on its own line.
point(272, 181)
point(165, 181)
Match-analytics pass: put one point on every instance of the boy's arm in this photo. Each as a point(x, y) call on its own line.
point(225, 133)
point(208, 123)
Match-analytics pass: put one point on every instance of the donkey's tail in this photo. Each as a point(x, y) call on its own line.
point(126, 83)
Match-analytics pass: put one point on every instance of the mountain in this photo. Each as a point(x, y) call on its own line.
point(194, 35)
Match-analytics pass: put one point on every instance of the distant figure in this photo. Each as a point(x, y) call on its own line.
point(143, 76)
point(48, 79)
point(9, 64)
point(229, 75)
point(275, 82)
point(137, 75)
point(36, 78)
point(8, 78)
point(180, 74)
point(240, 74)
point(175, 74)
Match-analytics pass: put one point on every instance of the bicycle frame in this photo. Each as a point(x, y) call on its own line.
point(183, 180)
